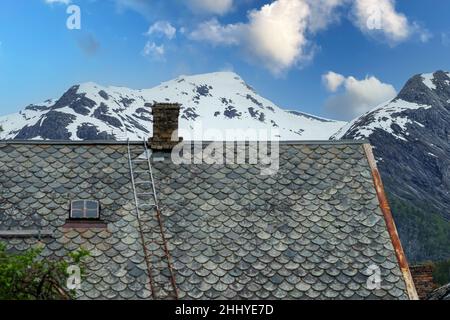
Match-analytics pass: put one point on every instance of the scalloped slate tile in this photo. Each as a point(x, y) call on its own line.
point(308, 232)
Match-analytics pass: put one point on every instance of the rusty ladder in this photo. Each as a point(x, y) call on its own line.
point(157, 257)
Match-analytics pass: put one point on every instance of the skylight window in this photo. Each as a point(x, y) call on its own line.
point(85, 210)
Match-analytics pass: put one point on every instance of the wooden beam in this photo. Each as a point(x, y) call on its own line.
point(26, 233)
point(392, 229)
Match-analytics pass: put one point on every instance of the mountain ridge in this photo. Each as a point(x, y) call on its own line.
point(410, 135)
point(411, 139)
point(220, 101)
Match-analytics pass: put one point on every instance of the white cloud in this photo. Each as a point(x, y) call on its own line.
point(424, 34)
point(279, 34)
point(154, 51)
point(217, 34)
point(144, 7)
point(162, 28)
point(274, 34)
point(359, 96)
point(379, 17)
point(445, 39)
point(219, 7)
point(66, 2)
point(333, 81)
point(324, 13)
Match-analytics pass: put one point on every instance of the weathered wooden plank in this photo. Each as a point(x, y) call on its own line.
point(390, 224)
point(45, 233)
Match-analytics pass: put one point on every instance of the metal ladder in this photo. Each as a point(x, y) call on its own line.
point(157, 257)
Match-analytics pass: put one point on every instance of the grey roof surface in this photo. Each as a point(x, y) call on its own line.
point(442, 293)
point(308, 232)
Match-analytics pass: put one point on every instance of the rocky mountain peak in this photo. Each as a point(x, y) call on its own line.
point(427, 89)
point(218, 101)
point(411, 139)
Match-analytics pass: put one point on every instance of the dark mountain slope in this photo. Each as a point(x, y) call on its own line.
point(411, 137)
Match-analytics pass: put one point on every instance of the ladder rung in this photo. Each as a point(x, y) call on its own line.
point(161, 264)
point(147, 205)
point(146, 194)
point(140, 160)
point(161, 270)
point(148, 231)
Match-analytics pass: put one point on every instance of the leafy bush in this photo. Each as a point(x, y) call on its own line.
point(441, 274)
point(27, 276)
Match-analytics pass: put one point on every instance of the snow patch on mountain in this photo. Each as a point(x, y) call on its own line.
point(388, 117)
point(411, 141)
point(428, 80)
point(215, 102)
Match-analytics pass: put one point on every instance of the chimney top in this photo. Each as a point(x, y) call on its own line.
point(165, 126)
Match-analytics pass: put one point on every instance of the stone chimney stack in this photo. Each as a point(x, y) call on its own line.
point(165, 123)
point(423, 280)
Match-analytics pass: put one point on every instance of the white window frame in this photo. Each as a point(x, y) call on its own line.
point(84, 210)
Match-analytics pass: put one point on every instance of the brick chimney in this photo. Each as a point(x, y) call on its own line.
point(423, 280)
point(165, 123)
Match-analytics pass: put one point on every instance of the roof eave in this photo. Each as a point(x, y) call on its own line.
point(390, 224)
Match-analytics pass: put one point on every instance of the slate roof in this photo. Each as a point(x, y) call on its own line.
point(442, 293)
point(308, 232)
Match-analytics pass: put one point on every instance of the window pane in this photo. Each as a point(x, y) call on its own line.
point(78, 205)
point(92, 214)
point(85, 209)
point(77, 210)
point(92, 209)
point(91, 205)
point(77, 214)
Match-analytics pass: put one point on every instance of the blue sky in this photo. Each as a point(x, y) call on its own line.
point(333, 58)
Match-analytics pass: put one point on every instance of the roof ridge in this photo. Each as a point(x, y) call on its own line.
point(110, 142)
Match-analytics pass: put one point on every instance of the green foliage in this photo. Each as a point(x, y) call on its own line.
point(441, 274)
point(425, 235)
point(27, 276)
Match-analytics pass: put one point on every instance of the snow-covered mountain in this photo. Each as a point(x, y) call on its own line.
point(217, 101)
point(411, 136)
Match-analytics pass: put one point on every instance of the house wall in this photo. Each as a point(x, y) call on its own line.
point(423, 279)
